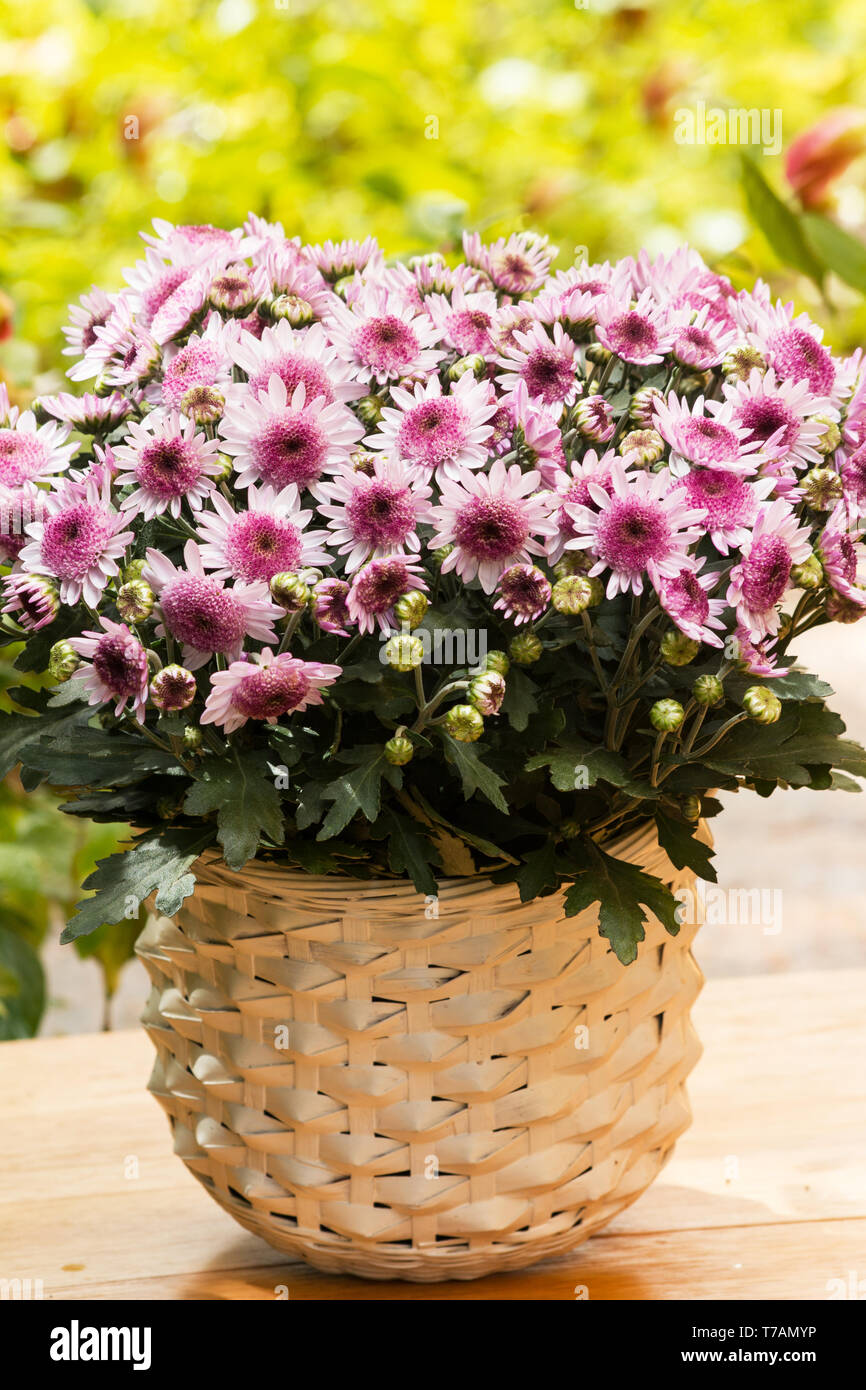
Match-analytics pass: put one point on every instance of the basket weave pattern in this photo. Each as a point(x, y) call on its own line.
point(395, 1094)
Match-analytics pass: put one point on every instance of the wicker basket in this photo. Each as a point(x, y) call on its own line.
point(393, 1093)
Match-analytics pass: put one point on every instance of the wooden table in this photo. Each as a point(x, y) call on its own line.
point(764, 1198)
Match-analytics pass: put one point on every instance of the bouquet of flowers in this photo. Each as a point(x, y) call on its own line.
point(411, 568)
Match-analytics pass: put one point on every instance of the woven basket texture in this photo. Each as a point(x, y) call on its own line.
point(392, 1093)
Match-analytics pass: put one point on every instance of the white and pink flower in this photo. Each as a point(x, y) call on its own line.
point(759, 581)
point(167, 462)
point(492, 521)
point(201, 613)
point(265, 688)
point(437, 433)
point(266, 537)
point(280, 439)
point(374, 513)
point(79, 540)
point(115, 670)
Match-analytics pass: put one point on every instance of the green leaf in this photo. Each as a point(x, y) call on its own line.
point(359, 790)
point(837, 249)
point(576, 765)
point(620, 889)
point(20, 732)
point(22, 987)
point(316, 859)
point(476, 776)
point(538, 871)
point(310, 806)
point(411, 852)
point(243, 793)
point(478, 842)
point(157, 864)
point(678, 841)
point(519, 701)
point(777, 222)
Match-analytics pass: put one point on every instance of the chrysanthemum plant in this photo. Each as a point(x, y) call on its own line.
point(416, 569)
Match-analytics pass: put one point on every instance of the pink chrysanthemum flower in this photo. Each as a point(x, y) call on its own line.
point(700, 344)
point(730, 503)
point(713, 440)
point(18, 507)
point(267, 538)
point(595, 419)
point(854, 482)
point(493, 521)
point(130, 354)
point(168, 463)
point(524, 593)
point(759, 581)
point(574, 308)
point(516, 264)
point(89, 414)
point(330, 607)
point(838, 554)
point(288, 273)
point(29, 452)
point(548, 367)
point(31, 599)
point(336, 259)
point(791, 344)
point(376, 588)
point(437, 432)
point(203, 361)
point(465, 322)
point(191, 243)
point(116, 668)
point(512, 319)
point(757, 656)
point(281, 439)
point(206, 617)
point(383, 337)
point(572, 491)
point(177, 312)
point(374, 514)
point(538, 433)
point(640, 335)
point(644, 526)
point(296, 356)
point(265, 688)
point(685, 599)
point(80, 539)
point(151, 282)
point(775, 415)
point(91, 312)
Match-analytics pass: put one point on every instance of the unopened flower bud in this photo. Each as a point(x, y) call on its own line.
point(761, 704)
point(411, 608)
point(642, 407)
point(135, 601)
point(690, 808)
point(525, 649)
point(63, 662)
point(369, 410)
point(289, 591)
point(572, 562)
point(399, 751)
point(442, 553)
point(740, 362)
point(464, 723)
point(708, 690)
point(593, 416)
point(133, 570)
point(666, 716)
point(173, 688)
point(809, 575)
point(226, 464)
point(404, 652)
point(203, 404)
point(822, 488)
point(830, 440)
point(474, 363)
point(192, 738)
point(572, 595)
point(598, 354)
point(343, 284)
point(232, 292)
point(365, 462)
point(695, 381)
point(487, 692)
point(497, 661)
point(677, 649)
point(646, 447)
point(293, 308)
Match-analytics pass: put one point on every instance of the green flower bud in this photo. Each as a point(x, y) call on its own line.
point(831, 438)
point(497, 661)
point(695, 381)
point(667, 715)
point(192, 738)
point(173, 689)
point(572, 562)
point(573, 594)
point(822, 488)
point(399, 751)
point(133, 570)
point(293, 308)
point(365, 462)
point(343, 284)
point(442, 553)
point(135, 601)
point(648, 445)
point(63, 662)
point(369, 410)
point(487, 692)
point(226, 468)
point(761, 704)
point(411, 608)
point(203, 404)
point(525, 649)
point(289, 591)
point(741, 361)
point(809, 575)
point(708, 690)
point(690, 807)
point(598, 354)
point(677, 649)
point(475, 364)
point(464, 723)
point(404, 652)
point(642, 407)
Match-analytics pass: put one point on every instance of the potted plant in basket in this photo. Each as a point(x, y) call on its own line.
point(413, 613)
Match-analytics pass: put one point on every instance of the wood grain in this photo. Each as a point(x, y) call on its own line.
point(764, 1198)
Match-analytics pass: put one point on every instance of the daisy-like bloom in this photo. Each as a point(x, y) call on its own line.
point(296, 357)
point(207, 618)
point(512, 319)
point(547, 367)
point(758, 582)
point(515, 264)
point(267, 538)
point(377, 586)
point(31, 599)
point(537, 432)
point(436, 432)
point(465, 322)
point(791, 345)
point(838, 555)
point(572, 491)
point(288, 273)
point(91, 312)
point(29, 451)
point(374, 514)
point(523, 593)
point(685, 599)
point(493, 521)
point(640, 335)
point(130, 354)
point(574, 308)
point(776, 414)
point(711, 440)
point(644, 526)
point(699, 343)
point(265, 688)
point(80, 539)
point(330, 608)
point(854, 481)
point(729, 502)
point(383, 337)
point(281, 439)
point(151, 283)
point(115, 670)
point(336, 259)
point(89, 414)
point(191, 243)
point(203, 361)
point(757, 656)
point(169, 463)
point(177, 312)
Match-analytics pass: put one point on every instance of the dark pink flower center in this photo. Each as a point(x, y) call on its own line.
point(797, 356)
point(491, 528)
point(168, 468)
point(290, 449)
point(293, 369)
point(548, 374)
point(381, 514)
point(386, 344)
point(270, 691)
point(121, 664)
point(258, 546)
point(631, 533)
point(728, 500)
point(201, 613)
point(766, 573)
point(764, 416)
point(74, 539)
point(378, 586)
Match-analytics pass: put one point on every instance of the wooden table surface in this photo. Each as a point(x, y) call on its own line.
point(765, 1196)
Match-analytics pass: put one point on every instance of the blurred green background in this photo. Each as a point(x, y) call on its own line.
point(409, 119)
